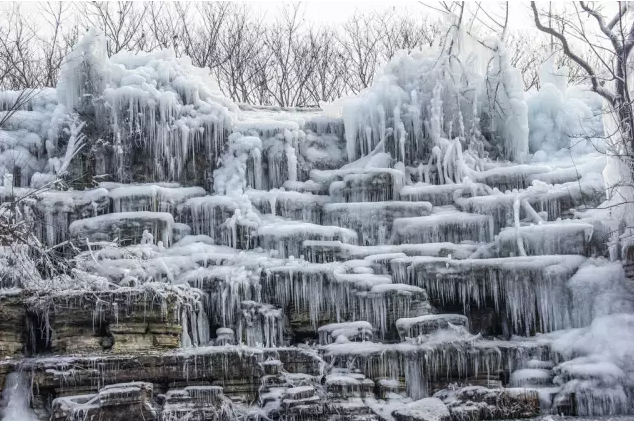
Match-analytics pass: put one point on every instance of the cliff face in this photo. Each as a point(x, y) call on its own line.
point(215, 262)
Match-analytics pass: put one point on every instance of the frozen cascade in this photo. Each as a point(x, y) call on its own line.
point(179, 113)
point(261, 325)
point(17, 398)
point(326, 290)
point(340, 262)
point(287, 237)
point(154, 198)
point(232, 176)
point(301, 206)
point(531, 290)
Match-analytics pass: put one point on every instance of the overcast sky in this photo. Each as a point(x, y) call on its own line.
point(337, 11)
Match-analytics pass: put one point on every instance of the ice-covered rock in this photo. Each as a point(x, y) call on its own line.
point(479, 403)
point(427, 409)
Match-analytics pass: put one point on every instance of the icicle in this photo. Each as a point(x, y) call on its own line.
point(257, 168)
point(291, 160)
point(186, 341)
point(203, 329)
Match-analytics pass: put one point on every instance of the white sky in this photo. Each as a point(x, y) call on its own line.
point(338, 11)
point(331, 11)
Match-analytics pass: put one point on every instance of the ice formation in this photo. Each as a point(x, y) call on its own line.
point(440, 121)
point(561, 116)
point(430, 233)
point(16, 396)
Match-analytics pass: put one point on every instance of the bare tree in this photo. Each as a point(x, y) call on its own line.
point(612, 55)
point(607, 42)
point(293, 56)
point(18, 68)
point(242, 73)
point(164, 27)
point(54, 49)
point(328, 79)
point(288, 63)
point(360, 42)
point(122, 22)
point(402, 32)
point(202, 43)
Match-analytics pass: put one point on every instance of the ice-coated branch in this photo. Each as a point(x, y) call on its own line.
point(602, 25)
point(596, 85)
point(624, 7)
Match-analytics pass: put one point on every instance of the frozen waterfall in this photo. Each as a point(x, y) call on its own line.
point(16, 397)
point(256, 263)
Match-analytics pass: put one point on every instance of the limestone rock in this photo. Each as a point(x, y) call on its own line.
point(12, 325)
point(122, 322)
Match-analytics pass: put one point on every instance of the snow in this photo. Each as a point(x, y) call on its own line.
point(562, 117)
point(108, 227)
point(396, 288)
point(443, 225)
point(67, 201)
point(286, 236)
point(597, 364)
point(349, 330)
point(349, 251)
point(279, 228)
point(438, 195)
point(149, 197)
point(231, 176)
point(530, 377)
point(561, 237)
point(428, 409)
point(413, 326)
